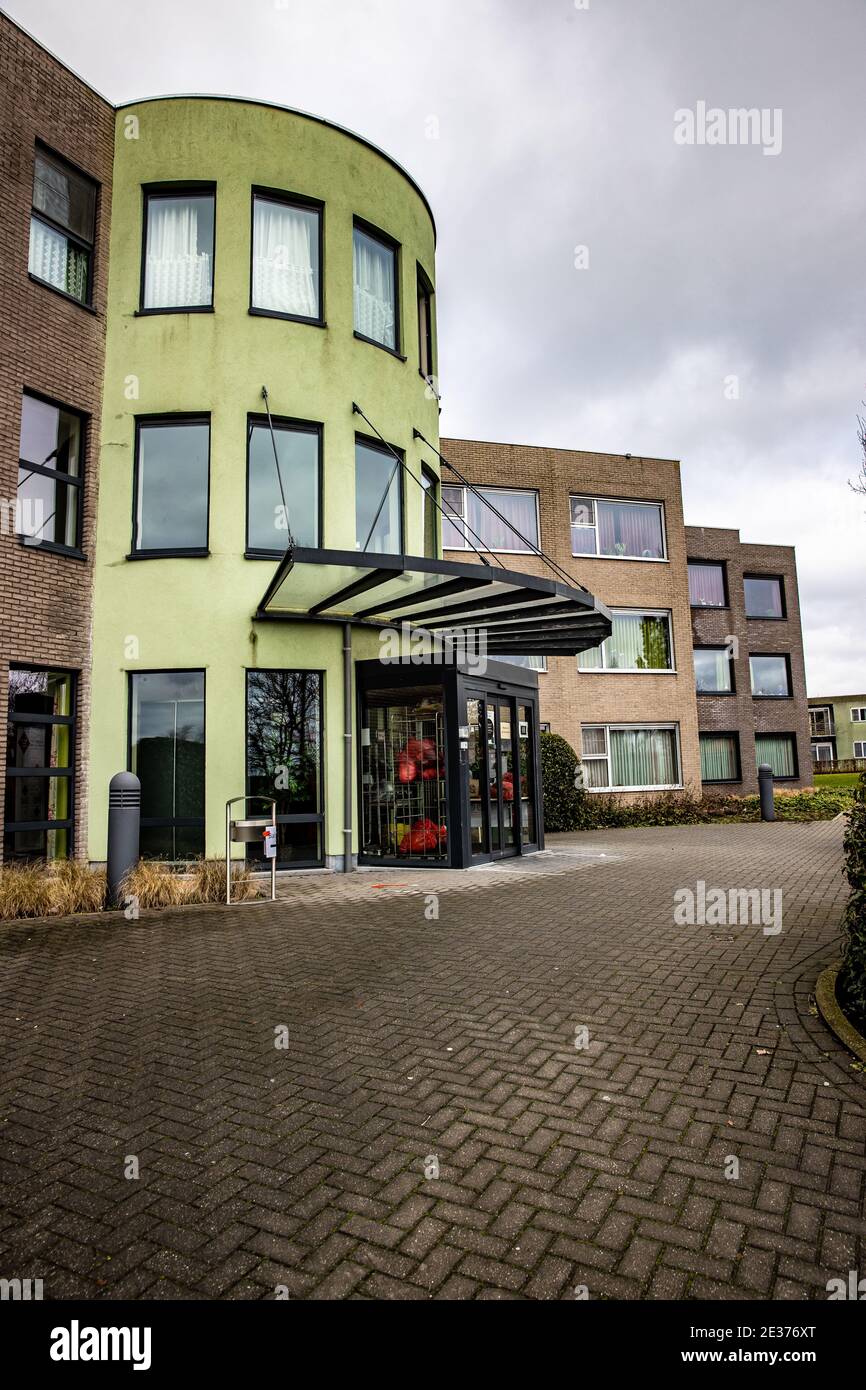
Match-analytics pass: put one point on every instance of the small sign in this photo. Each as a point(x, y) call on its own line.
point(463, 731)
point(523, 728)
point(269, 836)
point(365, 738)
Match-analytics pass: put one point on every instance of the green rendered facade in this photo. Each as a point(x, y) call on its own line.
point(195, 612)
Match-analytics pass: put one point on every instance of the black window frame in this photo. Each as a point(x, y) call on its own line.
point(723, 733)
point(306, 204)
point(426, 292)
point(385, 239)
point(74, 552)
point(171, 822)
point(291, 818)
point(715, 647)
point(780, 733)
point(786, 657)
point(195, 188)
point(710, 607)
point(388, 451)
point(284, 422)
point(763, 617)
point(67, 721)
point(430, 489)
point(163, 552)
point(83, 245)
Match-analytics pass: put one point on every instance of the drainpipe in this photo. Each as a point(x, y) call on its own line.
point(348, 778)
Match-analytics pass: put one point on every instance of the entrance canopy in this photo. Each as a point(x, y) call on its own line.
point(520, 614)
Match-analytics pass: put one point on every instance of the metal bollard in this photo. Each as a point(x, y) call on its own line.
point(124, 814)
point(765, 789)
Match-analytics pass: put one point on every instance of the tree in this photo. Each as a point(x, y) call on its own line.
point(859, 484)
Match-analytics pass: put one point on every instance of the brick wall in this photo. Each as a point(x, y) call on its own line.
point(55, 347)
point(568, 697)
point(740, 713)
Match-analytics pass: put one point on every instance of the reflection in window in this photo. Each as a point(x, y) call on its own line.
point(48, 505)
point(166, 752)
point(288, 502)
point(39, 765)
point(638, 642)
point(284, 761)
point(404, 797)
point(171, 505)
point(178, 256)
point(430, 484)
point(713, 670)
point(770, 677)
point(378, 507)
point(425, 325)
point(62, 226)
point(286, 276)
point(763, 597)
point(375, 289)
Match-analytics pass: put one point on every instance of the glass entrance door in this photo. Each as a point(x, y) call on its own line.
point(501, 777)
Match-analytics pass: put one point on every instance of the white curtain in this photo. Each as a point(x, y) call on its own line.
point(56, 260)
point(285, 259)
point(177, 274)
point(374, 290)
point(518, 508)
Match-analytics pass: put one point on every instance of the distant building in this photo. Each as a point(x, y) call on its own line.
point(838, 728)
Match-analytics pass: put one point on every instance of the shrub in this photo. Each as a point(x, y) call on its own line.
point(565, 803)
point(34, 890)
point(156, 883)
point(851, 984)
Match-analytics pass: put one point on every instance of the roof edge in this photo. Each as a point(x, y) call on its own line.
point(293, 111)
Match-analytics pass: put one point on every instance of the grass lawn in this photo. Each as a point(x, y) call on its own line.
point(836, 779)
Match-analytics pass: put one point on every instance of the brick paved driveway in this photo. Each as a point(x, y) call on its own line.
point(410, 1038)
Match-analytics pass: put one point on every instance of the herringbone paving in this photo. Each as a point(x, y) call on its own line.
point(413, 1041)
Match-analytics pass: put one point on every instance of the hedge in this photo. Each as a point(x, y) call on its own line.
point(851, 983)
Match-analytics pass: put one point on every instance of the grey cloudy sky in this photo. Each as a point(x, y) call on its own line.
point(554, 128)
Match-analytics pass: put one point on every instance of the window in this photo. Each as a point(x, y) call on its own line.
point(630, 757)
point(178, 248)
point(858, 714)
point(771, 677)
point(62, 226)
point(425, 325)
point(764, 596)
point(283, 493)
point(821, 720)
point(166, 753)
point(780, 751)
point(640, 641)
point(430, 523)
point(40, 761)
point(859, 749)
point(171, 486)
point(707, 588)
point(470, 520)
point(619, 530)
point(714, 671)
point(529, 663)
point(284, 762)
point(375, 288)
point(720, 758)
point(48, 504)
point(378, 500)
point(287, 254)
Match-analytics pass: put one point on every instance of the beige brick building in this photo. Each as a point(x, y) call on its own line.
point(633, 714)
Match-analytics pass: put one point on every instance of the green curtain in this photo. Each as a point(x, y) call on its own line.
point(718, 758)
point(643, 757)
point(778, 751)
point(638, 642)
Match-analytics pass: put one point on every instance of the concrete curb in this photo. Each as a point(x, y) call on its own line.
point(828, 1007)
